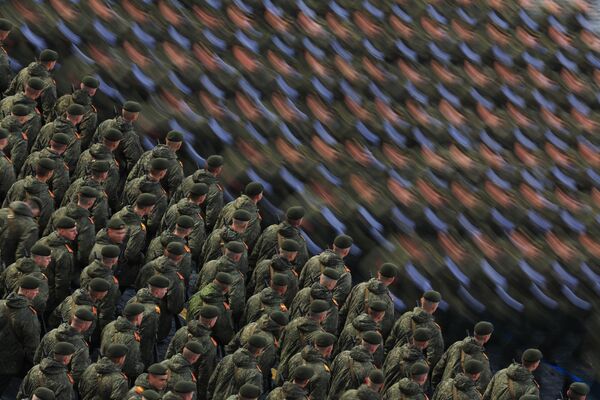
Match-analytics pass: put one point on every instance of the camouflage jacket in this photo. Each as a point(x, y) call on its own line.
point(234, 371)
point(59, 183)
point(103, 380)
point(349, 370)
point(311, 272)
point(511, 383)
point(461, 387)
point(213, 204)
point(50, 374)
point(124, 332)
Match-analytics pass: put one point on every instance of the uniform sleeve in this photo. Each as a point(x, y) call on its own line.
point(214, 205)
point(438, 371)
point(25, 390)
point(43, 137)
point(60, 183)
point(63, 268)
point(87, 127)
point(135, 245)
point(18, 155)
point(234, 344)
point(48, 98)
point(489, 391)
point(79, 362)
point(28, 330)
point(174, 177)
point(119, 390)
point(343, 288)
point(28, 238)
point(137, 169)
point(86, 238)
point(132, 150)
point(6, 180)
point(212, 382)
point(176, 298)
point(435, 349)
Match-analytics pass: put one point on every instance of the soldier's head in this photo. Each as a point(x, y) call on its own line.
point(419, 372)
point(256, 344)
point(5, 27)
point(29, 287)
point(578, 391)
point(302, 375)
point(192, 351)
point(342, 245)
point(376, 310)
point(48, 58)
point(41, 255)
point(185, 390)
point(234, 250)
point(208, 316)
point(254, 190)
point(289, 249)
point(134, 312)
point(158, 375)
point(109, 256)
point(531, 359)
point(58, 143)
point(63, 352)
point(214, 165)
point(430, 301)
point(472, 368)
point(175, 251)
point(158, 286)
point(387, 273)
point(43, 393)
point(184, 226)
point(198, 193)
point(20, 112)
point(33, 88)
point(131, 111)
point(174, 140)
point(324, 342)
point(158, 169)
point(421, 337)
point(66, 228)
point(279, 283)
point(90, 85)
point(294, 215)
point(3, 138)
point(240, 220)
point(329, 278)
point(75, 113)
point(82, 319)
point(150, 395)
point(87, 197)
point(117, 353)
point(34, 203)
point(375, 380)
point(98, 288)
point(371, 340)
point(112, 138)
point(144, 204)
point(318, 310)
point(44, 170)
point(483, 332)
point(249, 392)
point(99, 170)
point(223, 280)
point(116, 230)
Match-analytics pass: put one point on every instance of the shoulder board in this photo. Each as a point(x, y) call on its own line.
point(142, 226)
point(180, 163)
point(157, 309)
point(214, 342)
point(136, 336)
point(44, 277)
point(69, 249)
point(51, 193)
point(139, 390)
point(485, 355)
point(326, 368)
point(70, 377)
point(219, 187)
point(77, 136)
point(33, 310)
point(180, 276)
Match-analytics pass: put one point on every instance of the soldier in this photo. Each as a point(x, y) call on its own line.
point(125, 331)
point(7, 173)
point(28, 97)
point(5, 72)
point(82, 96)
point(350, 368)
point(67, 124)
point(155, 380)
point(214, 199)
point(411, 387)
point(59, 183)
point(104, 379)
point(333, 258)
point(168, 151)
point(16, 150)
point(181, 366)
point(60, 271)
point(43, 393)
point(51, 373)
point(463, 385)
point(113, 235)
point(71, 332)
point(267, 300)
point(20, 332)
point(270, 240)
point(36, 186)
point(578, 391)
point(376, 288)
point(148, 394)
point(247, 392)
point(213, 246)
point(454, 358)
point(237, 369)
point(400, 359)
point(20, 229)
point(183, 390)
point(296, 389)
point(516, 380)
point(368, 390)
point(40, 69)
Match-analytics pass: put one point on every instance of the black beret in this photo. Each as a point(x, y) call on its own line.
point(159, 281)
point(419, 368)
point(289, 245)
point(132, 106)
point(150, 394)
point(185, 222)
point(88, 192)
point(159, 164)
point(35, 201)
point(61, 138)
point(133, 309)
point(483, 328)
point(198, 189)
point(377, 305)
point(241, 215)
point(4, 133)
point(157, 369)
point(257, 341)
point(176, 248)
point(113, 135)
point(473, 366)
point(224, 277)
point(194, 346)
point(376, 376)
point(35, 83)
point(235, 246)
point(115, 350)
point(64, 349)
point(29, 282)
point(5, 25)
point(90, 82)
point(253, 189)
point(39, 249)
point(84, 314)
point(214, 161)
point(287, 232)
point(100, 166)
point(303, 373)
point(75, 109)
point(372, 337)
point(145, 200)
point(388, 270)
point(99, 285)
point(531, 355)
point(184, 387)
point(432, 296)
point(343, 242)
point(20, 110)
point(331, 273)
point(65, 223)
point(175, 136)
point(280, 264)
point(110, 251)
point(209, 312)
point(280, 280)
point(421, 335)
point(46, 163)
point(116, 223)
point(319, 306)
point(579, 388)
point(324, 339)
point(294, 213)
point(279, 318)
point(248, 391)
point(48, 55)
point(43, 393)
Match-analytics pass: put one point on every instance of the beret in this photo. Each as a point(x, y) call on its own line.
point(5, 25)
point(279, 263)
point(43, 393)
point(65, 223)
point(116, 223)
point(248, 391)
point(388, 270)
point(61, 138)
point(377, 305)
point(20, 110)
point(331, 273)
point(324, 339)
point(531, 355)
point(175, 136)
point(100, 166)
point(48, 55)
point(279, 318)
point(159, 164)
point(473, 366)
point(110, 251)
point(184, 387)
point(88, 192)
point(132, 106)
point(214, 161)
point(75, 109)
point(113, 135)
point(257, 341)
point(4, 133)
point(90, 82)
point(209, 312)
point(176, 248)
point(46, 163)
point(35, 201)
point(290, 245)
point(64, 348)
point(294, 213)
point(150, 395)
point(159, 281)
point(39, 249)
point(223, 277)
point(146, 200)
point(194, 346)
point(198, 189)
point(29, 282)
point(185, 222)
point(580, 388)
point(115, 350)
point(241, 215)
point(376, 376)
point(84, 314)
point(235, 246)
point(372, 337)
point(432, 296)
point(133, 309)
point(99, 285)
point(280, 280)
point(303, 373)
point(319, 306)
point(253, 189)
point(343, 242)
point(419, 368)
point(421, 335)
point(35, 83)
point(483, 328)
point(157, 369)
point(287, 232)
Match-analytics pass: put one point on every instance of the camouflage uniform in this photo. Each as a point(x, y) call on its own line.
point(311, 272)
point(212, 294)
point(213, 246)
point(34, 124)
point(100, 210)
point(234, 371)
point(48, 96)
point(259, 304)
point(405, 389)
point(87, 126)
point(461, 387)
point(51, 374)
point(100, 152)
point(245, 203)
point(30, 186)
point(265, 270)
point(61, 268)
point(318, 385)
point(16, 150)
point(103, 380)
point(454, 358)
point(157, 247)
point(5, 72)
point(301, 305)
point(19, 233)
point(66, 309)
point(149, 327)
point(59, 183)
point(351, 336)
point(7, 175)
point(237, 289)
point(136, 242)
point(10, 277)
point(174, 175)
point(129, 150)
point(297, 334)
point(134, 188)
point(108, 305)
point(62, 125)
point(349, 370)
point(180, 369)
point(398, 362)
point(511, 383)
point(289, 390)
point(198, 235)
point(141, 384)
point(124, 332)
point(267, 245)
point(213, 204)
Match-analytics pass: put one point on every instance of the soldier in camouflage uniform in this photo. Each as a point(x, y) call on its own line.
point(5, 72)
point(267, 300)
point(28, 98)
point(399, 360)
point(578, 391)
point(214, 199)
point(369, 389)
point(516, 380)
point(51, 373)
point(104, 379)
point(296, 388)
point(155, 380)
point(20, 229)
point(182, 390)
point(7, 173)
point(16, 150)
point(213, 246)
point(411, 387)
point(463, 386)
point(115, 234)
point(247, 392)
point(182, 365)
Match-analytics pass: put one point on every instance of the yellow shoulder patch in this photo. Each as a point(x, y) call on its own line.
point(139, 389)
point(157, 309)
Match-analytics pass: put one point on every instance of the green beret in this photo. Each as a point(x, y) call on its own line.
point(531, 355)
point(113, 135)
point(372, 337)
point(249, 391)
point(40, 249)
point(294, 213)
point(84, 314)
point(388, 270)
point(99, 285)
point(290, 245)
point(303, 373)
point(376, 376)
point(214, 161)
point(483, 328)
point(116, 350)
point(377, 305)
point(194, 346)
point(235, 247)
point(64, 349)
point(35, 201)
point(331, 273)
point(90, 81)
point(20, 110)
point(35, 83)
point(185, 222)
point(88, 192)
point(324, 339)
point(61, 138)
point(279, 318)
point(4, 133)
point(133, 309)
point(29, 282)
point(253, 189)
point(100, 166)
point(280, 280)
point(48, 55)
point(159, 281)
point(579, 388)
point(241, 215)
point(473, 366)
point(319, 306)
point(419, 368)
point(257, 341)
point(343, 242)
point(75, 109)
point(208, 312)
point(432, 296)
point(287, 232)
point(421, 335)
point(116, 223)
point(198, 189)
point(145, 200)
point(158, 368)
point(159, 164)
point(46, 164)
point(5, 25)
point(184, 387)
point(176, 248)
point(110, 251)
point(150, 394)
point(175, 136)
point(132, 106)
point(65, 223)
point(224, 278)
point(43, 393)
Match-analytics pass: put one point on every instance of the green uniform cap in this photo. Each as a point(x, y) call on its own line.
point(116, 350)
point(65, 223)
point(279, 318)
point(376, 376)
point(257, 341)
point(116, 223)
point(473, 366)
point(35, 83)
point(43, 393)
point(75, 109)
point(209, 312)
point(224, 278)
point(343, 242)
point(290, 245)
point(198, 189)
point(419, 368)
point(99, 285)
point(150, 395)
point(331, 273)
point(248, 391)
point(175, 136)
point(46, 164)
point(194, 346)
point(100, 166)
point(241, 215)
point(280, 280)
point(324, 339)
point(29, 282)
point(157, 369)
point(113, 135)
point(61, 138)
point(531, 355)
point(184, 387)
point(64, 349)
point(176, 248)
point(5, 26)
point(377, 305)
point(421, 335)
point(432, 296)
point(132, 106)
point(110, 251)
point(84, 314)
point(48, 55)
point(372, 337)
point(159, 281)
point(235, 247)
point(214, 161)
point(388, 270)
point(88, 192)
point(133, 309)
point(579, 388)
point(90, 82)
point(20, 110)
point(185, 222)
point(39, 249)
point(4, 133)
point(159, 164)
point(253, 189)
point(483, 328)
point(303, 373)
point(294, 213)
point(145, 200)
point(319, 306)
